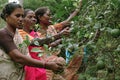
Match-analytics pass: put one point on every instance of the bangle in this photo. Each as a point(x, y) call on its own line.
point(44, 64)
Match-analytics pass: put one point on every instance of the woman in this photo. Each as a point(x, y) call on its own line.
point(44, 19)
point(29, 22)
point(32, 73)
point(47, 29)
point(10, 56)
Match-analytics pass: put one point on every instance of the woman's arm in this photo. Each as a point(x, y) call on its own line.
point(51, 39)
point(18, 57)
point(55, 43)
point(74, 13)
point(45, 40)
point(66, 22)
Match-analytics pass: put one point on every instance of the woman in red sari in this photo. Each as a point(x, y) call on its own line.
point(29, 22)
point(31, 72)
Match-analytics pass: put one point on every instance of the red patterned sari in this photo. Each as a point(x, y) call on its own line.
point(32, 73)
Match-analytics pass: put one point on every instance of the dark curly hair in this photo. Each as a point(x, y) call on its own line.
point(26, 11)
point(40, 12)
point(8, 9)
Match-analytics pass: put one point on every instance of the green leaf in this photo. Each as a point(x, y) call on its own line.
point(46, 47)
point(75, 4)
point(86, 35)
point(91, 35)
point(36, 50)
point(20, 45)
point(97, 25)
point(27, 41)
point(40, 54)
point(36, 43)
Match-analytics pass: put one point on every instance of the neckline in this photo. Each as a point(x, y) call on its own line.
point(9, 32)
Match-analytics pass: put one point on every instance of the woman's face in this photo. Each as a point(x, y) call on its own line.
point(46, 18)
point(15, 19)
point(30, 19)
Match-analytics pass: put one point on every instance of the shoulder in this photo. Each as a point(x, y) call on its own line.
point(2, 30)
point(3, 33)
point(24, 34)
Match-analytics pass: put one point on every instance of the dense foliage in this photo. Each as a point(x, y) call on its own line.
point(96, 28)
point(2, 3)
point(99, 25)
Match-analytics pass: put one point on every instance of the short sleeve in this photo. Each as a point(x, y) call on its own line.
point(58, 27)
point(6, 41)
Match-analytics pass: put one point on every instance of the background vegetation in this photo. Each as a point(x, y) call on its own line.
point(96, 28)
point(2, 3)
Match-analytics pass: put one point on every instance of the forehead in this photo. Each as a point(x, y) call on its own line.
point(48, 11)
point(18, 11)
point(30, 13)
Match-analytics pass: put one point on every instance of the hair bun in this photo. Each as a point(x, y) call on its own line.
point(2, 16)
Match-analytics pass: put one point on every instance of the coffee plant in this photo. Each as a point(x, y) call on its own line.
point(96, 29)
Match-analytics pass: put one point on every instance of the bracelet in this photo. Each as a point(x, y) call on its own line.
point(44, 64)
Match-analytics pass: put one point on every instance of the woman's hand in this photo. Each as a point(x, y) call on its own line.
point(65, 31)
point(55, 66)
point(66, 23)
